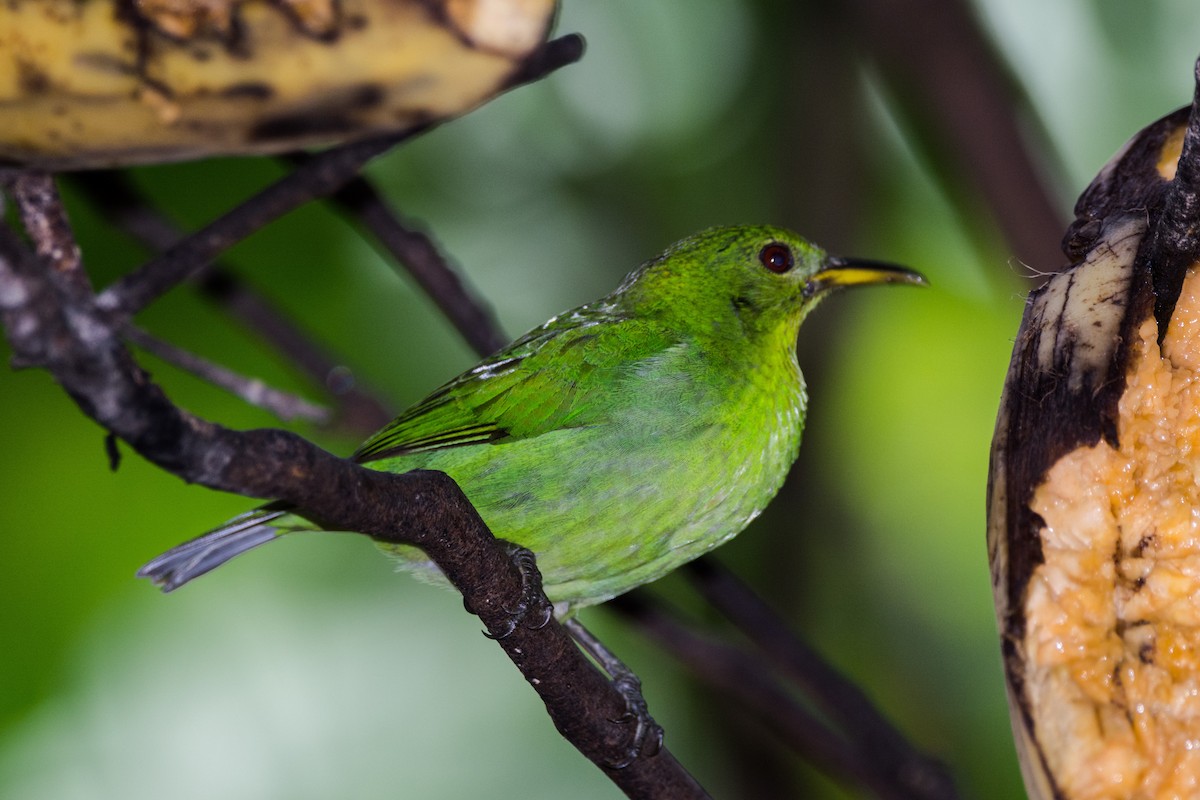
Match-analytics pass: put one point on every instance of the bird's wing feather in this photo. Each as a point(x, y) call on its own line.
point(551, 378)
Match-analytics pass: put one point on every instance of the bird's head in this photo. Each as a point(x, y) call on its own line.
point(756, 278)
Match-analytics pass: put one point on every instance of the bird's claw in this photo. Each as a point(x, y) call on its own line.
point(647, 736)
point(533, 610)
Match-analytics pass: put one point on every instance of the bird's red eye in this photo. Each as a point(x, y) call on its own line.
point(776, 257)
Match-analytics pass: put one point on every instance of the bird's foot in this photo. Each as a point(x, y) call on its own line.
point(647, 737)
point(532, 610)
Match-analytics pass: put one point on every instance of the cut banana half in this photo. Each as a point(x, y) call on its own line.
point(1094, 502)
point(105, 83)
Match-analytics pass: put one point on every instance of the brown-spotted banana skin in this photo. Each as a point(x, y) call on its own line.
point(1062, 396)
point(104, 83)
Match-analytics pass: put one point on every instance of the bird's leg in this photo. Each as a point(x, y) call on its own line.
point(532, 604)
point(647, 734)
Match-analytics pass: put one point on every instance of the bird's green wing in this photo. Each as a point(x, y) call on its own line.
point(550, 378)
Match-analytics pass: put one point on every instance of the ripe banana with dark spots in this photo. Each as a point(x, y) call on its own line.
point(104, 83)
point(1094, 498)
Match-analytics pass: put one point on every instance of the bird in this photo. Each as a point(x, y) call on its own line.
point(621, 439)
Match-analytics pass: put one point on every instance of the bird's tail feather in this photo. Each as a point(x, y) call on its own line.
point(192, 559)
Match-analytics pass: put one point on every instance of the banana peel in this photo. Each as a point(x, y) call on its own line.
point(1094, 493)
point(107, 83)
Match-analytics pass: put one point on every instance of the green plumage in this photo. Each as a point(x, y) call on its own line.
point(623, 438)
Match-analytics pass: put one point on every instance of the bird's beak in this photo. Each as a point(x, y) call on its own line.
point(838, 272)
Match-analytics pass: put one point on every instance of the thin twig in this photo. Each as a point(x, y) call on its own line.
point(324, 174)
point(879, 744)
point(282, 404)
point(417, 252)
point(46, 221)
point(115, 197)
point(738, 675)
point(358, 411)
point(133, 292)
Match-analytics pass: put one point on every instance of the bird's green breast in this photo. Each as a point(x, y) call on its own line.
point(693, 444)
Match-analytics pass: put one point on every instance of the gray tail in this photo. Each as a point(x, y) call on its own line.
point(192, 559)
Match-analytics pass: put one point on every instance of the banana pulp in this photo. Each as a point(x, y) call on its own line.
point(1112, 640)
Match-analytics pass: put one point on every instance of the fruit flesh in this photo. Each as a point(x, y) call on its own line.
point(1112, 640)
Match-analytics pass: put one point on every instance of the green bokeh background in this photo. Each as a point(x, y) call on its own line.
point(309, 670)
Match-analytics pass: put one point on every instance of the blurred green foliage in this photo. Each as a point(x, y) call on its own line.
point(310, 671)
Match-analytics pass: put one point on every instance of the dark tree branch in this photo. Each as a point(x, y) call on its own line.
point(50, 325)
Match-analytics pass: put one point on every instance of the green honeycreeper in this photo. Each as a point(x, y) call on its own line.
point(620, 439)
